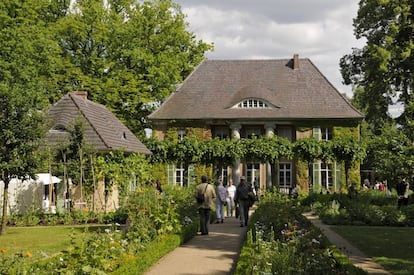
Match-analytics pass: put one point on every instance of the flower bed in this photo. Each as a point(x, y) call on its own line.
point(154, 221)
point(281, 241)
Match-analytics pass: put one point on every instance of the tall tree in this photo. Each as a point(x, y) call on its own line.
point(384, 67)
point(127, 55)
point(26, 55)
point(19, 135)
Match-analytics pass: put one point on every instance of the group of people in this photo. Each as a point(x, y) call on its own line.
point(378, 185)
point(402, 187)
point(236, 200)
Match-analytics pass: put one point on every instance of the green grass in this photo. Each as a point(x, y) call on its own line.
point(42, 240)
point(392, 247)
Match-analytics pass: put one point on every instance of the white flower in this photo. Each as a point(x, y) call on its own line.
point(315, 241)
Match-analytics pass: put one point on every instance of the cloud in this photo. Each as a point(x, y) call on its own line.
point(240, 29)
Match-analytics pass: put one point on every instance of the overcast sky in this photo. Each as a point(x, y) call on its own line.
point(320, 30)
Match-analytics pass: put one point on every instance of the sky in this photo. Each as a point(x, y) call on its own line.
point(320, 30)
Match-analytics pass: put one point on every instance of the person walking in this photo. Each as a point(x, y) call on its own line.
point(403, 188)
point(243, 200)
point(205, 191)
point(231, 191)
point(220, 200)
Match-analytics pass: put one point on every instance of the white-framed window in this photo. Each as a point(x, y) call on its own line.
point(252, 103)
point(326, 133)
point(180, 175)
point(285, 174)
point(253, 173)
point(327, 177)
point(323, 133)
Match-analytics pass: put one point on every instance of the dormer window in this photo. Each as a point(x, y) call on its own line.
point(252, 103)
point(59, 128)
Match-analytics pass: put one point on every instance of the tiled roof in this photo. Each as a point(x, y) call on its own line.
point(102, 130)
point(217, 85)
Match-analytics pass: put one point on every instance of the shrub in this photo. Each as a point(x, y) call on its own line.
point(282, 241)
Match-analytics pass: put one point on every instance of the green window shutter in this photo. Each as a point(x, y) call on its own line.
point(190, 179)
point(171, 173)
point(316, 177)
point(338, 176)
point(317, 133)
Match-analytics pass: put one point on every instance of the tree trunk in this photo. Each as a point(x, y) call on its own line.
point(5, 205)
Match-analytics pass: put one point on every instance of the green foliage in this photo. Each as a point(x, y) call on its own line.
point(307, 149)
point(266, 149)
point(217, 151)
point(127, 55)
point(158, 148)
point(383, 67)
point(156, 224)
point(366, 208)
point(389, 155)
point(145, 259)
point(21, 130)
point(281, 241)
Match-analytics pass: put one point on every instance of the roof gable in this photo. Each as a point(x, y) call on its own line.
point(296, 92)
point(102, 130)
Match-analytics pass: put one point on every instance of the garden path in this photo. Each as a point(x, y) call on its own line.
point(216, 253)
point(357, 257)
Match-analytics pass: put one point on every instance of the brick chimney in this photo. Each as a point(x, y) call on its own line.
point(83, 95)
point(295, 61)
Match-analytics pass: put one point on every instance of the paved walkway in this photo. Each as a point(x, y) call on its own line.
point(218, 252)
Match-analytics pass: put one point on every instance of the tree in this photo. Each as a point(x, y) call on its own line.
point(384, 66)
point(389, 155)
point(127, 55)
point(20, 133)
point(26, 55)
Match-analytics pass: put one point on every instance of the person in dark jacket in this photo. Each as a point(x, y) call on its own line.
point(242, 199)
point(402, 191)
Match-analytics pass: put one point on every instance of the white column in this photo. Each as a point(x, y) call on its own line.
point(235, 133)
point(270, 132)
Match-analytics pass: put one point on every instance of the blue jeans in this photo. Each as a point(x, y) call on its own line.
point(204, 214)
point(220, 211)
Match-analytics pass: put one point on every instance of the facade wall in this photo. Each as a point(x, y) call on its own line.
point(285, 174)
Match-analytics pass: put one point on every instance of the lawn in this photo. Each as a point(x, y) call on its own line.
point(42, 241)
point(392, 247)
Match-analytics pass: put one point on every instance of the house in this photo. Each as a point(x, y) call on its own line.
point(102, 132)
point(240, 98)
